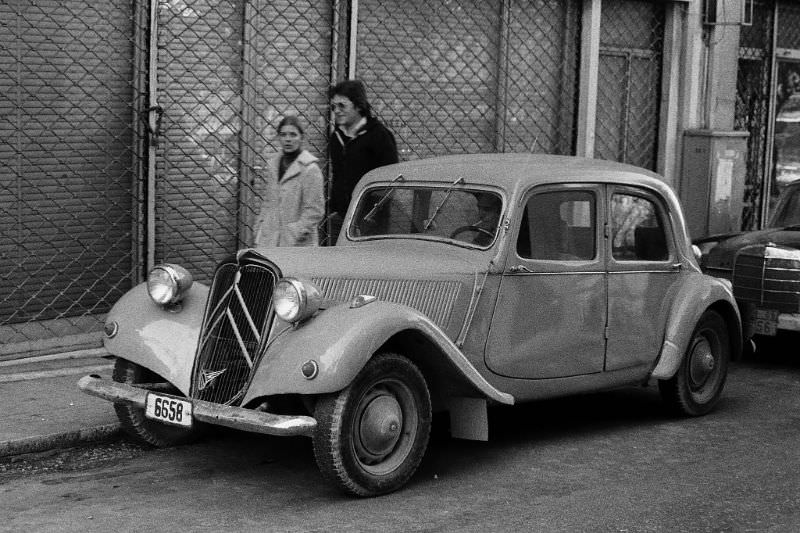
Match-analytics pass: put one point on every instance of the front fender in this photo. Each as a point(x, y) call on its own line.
point(160, 340)
point(699, 293)
point(341, 340)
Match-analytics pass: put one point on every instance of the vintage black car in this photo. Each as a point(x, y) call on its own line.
point(764, 267)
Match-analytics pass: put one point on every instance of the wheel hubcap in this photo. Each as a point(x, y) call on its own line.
point(702, 364)
point(381, 425)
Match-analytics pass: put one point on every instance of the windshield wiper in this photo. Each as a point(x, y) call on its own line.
point(383, 199)
point(439, 207)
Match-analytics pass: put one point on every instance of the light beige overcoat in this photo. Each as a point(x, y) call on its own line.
point(292, 207)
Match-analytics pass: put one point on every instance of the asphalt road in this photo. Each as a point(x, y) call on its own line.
point(604, 462)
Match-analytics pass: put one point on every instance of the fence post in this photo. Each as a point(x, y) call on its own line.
point(153, 120)
point(501, 88)
point(247, 205)
point(353, 45)
point(587, 92)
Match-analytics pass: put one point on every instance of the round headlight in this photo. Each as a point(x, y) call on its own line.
point(295, 300)
point(167, 283)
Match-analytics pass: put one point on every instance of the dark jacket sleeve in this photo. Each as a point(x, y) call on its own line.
point(386, 147)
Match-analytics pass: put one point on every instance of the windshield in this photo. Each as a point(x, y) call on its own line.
point(788, 210)
point(470, 216)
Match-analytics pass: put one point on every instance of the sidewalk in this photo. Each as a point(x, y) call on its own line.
point(41, 407)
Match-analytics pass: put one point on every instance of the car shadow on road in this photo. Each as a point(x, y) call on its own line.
point(545, 422)
point(780, 352)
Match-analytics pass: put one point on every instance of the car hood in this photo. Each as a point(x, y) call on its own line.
point(386, 259)
point(432, 278)
point(722, 255)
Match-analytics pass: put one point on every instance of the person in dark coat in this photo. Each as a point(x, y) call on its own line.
point(358, 144)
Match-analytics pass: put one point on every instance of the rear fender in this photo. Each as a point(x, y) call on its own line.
point(341, 340)
point(160, 340)
point(694, 297)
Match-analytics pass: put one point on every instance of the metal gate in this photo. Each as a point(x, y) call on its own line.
point(467, 77)
point(69, 91)
point(227, 73)
point(629, 92)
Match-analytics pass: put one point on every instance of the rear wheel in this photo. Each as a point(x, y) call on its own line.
point(697, 385)
point(132, 419)
point(371, 436)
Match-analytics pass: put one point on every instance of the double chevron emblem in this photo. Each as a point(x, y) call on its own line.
point(208, 377)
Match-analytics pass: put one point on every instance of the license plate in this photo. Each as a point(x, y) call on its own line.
point(168, 409)
point(765, 322)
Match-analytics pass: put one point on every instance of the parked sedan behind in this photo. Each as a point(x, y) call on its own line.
point(764, 267)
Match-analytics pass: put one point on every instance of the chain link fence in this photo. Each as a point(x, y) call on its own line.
point(89, 195)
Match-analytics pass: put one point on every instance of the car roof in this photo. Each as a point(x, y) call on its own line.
point(511, 170)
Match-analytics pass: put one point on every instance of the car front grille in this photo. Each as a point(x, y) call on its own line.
point(768, 277)
point(236, 324)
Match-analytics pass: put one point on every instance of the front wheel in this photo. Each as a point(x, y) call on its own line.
point(138, 427)
point(371, 436)
point(697, 385)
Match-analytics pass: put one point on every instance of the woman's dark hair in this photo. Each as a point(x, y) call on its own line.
point(291, 120)
point(354, 91)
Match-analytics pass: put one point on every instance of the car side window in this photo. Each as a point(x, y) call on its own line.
point(560, 226)
point(636, 229)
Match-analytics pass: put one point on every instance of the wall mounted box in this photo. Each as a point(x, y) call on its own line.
point(711, 184)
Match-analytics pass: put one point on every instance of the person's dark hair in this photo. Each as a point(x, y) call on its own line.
point(354, 91)
point(291, 120)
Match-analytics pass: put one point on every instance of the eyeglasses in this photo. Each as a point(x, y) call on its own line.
point(340, 106)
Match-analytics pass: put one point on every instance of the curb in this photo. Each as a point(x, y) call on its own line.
point(55, 373)
point(59, 440)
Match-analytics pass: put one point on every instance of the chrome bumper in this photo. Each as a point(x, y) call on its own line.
point(211, 413)
point(789, 321)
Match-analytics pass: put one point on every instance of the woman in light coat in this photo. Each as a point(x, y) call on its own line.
point(294, 203)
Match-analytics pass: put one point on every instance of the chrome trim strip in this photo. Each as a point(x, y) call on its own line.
point(477, 290)
point(212, 327)
point(575, 272)
point(569, 272)
point(239, 339)
point(247, 313)
point(222, 301)
point(654, 271)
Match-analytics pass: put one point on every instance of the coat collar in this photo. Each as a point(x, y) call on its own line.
point(298, 165)
point(357, 128)
point(361, 128)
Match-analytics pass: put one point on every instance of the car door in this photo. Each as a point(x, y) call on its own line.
point(550, 315)
point(642, 266)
